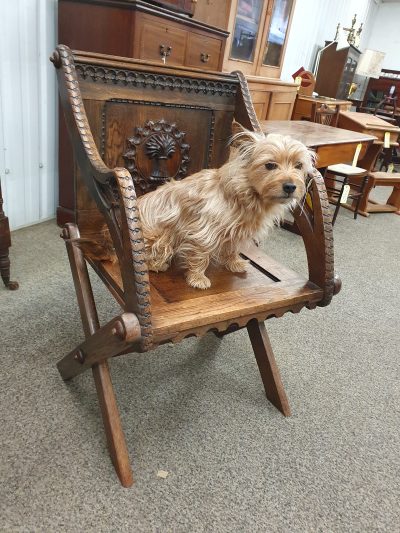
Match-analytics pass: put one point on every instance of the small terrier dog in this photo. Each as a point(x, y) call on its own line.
point(209, 215)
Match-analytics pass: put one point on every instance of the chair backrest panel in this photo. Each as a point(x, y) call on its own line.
point(324, 114)
point(157, 126)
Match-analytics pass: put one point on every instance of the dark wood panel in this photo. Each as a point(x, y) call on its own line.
point(5, 243)
point(95, 28)
point(190, 145)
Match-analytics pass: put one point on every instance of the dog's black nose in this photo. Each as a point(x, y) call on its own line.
point(288, 188)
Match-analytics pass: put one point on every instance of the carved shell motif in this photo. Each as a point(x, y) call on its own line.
point(156, 142)
point(160, 146)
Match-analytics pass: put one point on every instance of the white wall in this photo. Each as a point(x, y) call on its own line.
point(28, 108)
point(385, 34)
point(315, 21)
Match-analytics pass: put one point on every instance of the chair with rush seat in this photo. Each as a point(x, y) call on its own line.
point(161, 122)
point(343, 182)
point(341, 187)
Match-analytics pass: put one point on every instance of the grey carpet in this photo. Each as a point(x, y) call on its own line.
point(198, 410)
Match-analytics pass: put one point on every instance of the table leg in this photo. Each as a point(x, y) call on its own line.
point(5, 270)
point(394, 198)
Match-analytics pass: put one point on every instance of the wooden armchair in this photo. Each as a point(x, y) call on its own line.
point(323, 114)
point(136, 113)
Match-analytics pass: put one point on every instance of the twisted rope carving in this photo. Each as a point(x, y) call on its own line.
point(140, 270)
point(93, 168)
point(328, 237)
point(317, 233)
point(248, 101)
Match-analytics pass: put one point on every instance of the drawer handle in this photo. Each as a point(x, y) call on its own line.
point(165, 51)
point(205, 57)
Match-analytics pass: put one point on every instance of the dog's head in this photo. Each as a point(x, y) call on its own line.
point(277, 166)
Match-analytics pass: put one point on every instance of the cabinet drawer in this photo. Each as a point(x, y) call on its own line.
point(203, 52)
point(159, 39)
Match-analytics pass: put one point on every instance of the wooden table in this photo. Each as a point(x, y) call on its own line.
point(303, 105)
point(332, 145)
point(5, 243)
point(372, 125)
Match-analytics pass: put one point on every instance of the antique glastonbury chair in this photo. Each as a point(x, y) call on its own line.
point(161, 122)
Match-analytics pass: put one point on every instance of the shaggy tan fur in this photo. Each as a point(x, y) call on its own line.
point(207, 216)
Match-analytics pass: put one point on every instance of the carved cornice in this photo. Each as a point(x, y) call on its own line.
point(154, 80)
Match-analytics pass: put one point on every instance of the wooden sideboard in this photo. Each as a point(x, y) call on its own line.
point(273, 99)
point(336, 70)
point(137, 29)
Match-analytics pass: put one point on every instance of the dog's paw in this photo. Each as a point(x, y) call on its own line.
point(237, 265)
point(198, 281)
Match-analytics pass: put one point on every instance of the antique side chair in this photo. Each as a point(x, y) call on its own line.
point(323, 114)
point(133, 125)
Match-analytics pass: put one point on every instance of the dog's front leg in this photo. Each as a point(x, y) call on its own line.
point(196, 265)
point(233, 262)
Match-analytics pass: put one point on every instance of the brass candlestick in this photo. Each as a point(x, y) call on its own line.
point(351, 36)
point(336, 38)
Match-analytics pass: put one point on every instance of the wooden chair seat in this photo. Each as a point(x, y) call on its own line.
point(268, 289)
point(342, 169)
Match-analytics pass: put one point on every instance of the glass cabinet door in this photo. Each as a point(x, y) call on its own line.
point(247, 22)
point(276, 35)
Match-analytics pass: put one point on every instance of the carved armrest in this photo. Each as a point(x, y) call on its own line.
point(313, 218)
point(114, 193)
point(314, 221)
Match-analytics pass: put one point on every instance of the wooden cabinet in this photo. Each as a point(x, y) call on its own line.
point(203, 52)
point(258, 35)
point(158, 40)
point(272, 99)
point(336, 70)
point(137, 29)
point(378, 88)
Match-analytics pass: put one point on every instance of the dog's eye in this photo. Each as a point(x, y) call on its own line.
point(299, 166)
point(271, 166)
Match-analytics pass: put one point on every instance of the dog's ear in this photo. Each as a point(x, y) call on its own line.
point(241, 136)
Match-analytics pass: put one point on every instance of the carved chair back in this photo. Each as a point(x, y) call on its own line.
point(324, 114)
point(150, 122)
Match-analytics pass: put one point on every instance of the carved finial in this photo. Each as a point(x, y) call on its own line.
point(56, 59)
point(336, 38)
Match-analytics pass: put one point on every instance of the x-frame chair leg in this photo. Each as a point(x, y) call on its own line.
point(267, 365)
point(112, 423)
